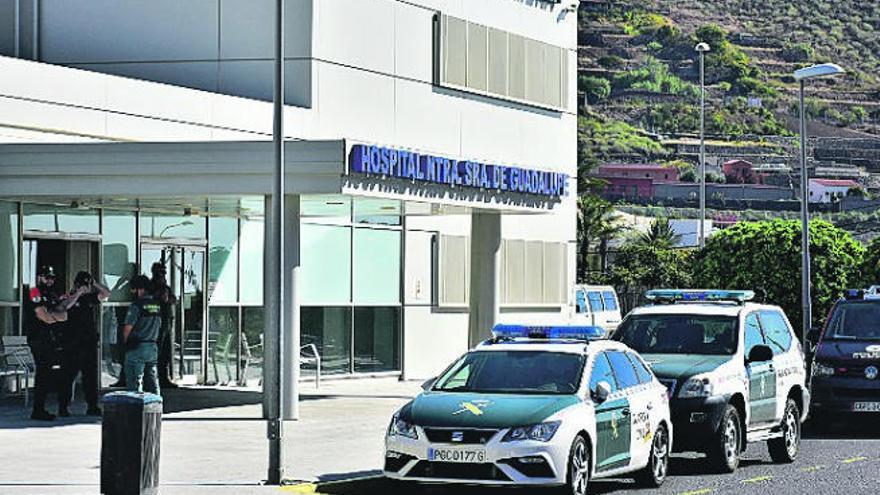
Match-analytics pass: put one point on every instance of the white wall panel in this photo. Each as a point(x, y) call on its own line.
point(354, 104)
point(432, 340)
point(425, 119)
point(255, 79)
point(418, 283)
point(359, 33)
point(413, 42)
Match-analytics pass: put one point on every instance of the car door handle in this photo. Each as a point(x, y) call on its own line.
point(625, 412)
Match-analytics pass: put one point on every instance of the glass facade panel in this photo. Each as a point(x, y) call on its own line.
point(376, 266)
point(120, 253)
point(223, 260)
point(251, 361)
point(251, 269)
point(326, 264)
point(49, 218)
point(8, 320)
point(111, 340)
point(329, 328)
point(377, 211)
point(172, 227)
point(9, 249)
point(222, 345)
point(336, 207)
point(376, 339)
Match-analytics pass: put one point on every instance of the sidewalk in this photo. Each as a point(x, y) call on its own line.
point(213, 440)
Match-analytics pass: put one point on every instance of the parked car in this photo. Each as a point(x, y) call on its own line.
point(846, 362)
point(536, 406)
point(597, 305)
point(735, 371)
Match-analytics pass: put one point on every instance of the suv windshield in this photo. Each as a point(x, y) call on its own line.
point(855, 320)
point(514, 372)
point(679, 334)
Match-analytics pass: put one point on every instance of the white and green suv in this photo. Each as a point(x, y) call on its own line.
point(734, 369)
point(536, 406)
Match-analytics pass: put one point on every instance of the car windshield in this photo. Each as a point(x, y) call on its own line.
point(514, 372)
point(855, 320)
point(679, 334)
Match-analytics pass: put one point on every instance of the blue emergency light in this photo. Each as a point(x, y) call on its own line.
point(560, 332)
point(699, 295)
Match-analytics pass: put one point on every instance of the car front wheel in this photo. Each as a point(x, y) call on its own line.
point(725, 448)
point(784, 450)
point(578, 479)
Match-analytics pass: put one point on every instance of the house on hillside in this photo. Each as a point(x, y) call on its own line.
point(740, 172)
point(830, 190)
point(634, 181)
point(641, 170)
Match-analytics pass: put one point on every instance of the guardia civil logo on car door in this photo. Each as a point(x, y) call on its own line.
point(535, 406)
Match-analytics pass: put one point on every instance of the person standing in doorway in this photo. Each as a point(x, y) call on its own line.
point(80, 343)
point(140, 335)
point(165, 297)
point(45, 314)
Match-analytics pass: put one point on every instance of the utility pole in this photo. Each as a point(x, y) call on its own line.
point(702, 48)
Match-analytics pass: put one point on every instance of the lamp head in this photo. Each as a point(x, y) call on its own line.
point(820, 70)
point(702, 47)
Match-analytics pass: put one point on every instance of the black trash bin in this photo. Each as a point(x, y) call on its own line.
point(130, 439)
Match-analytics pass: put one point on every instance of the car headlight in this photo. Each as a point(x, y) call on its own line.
point(401, 428)
point(541, 432)
point(820, 369)
point(697, 386)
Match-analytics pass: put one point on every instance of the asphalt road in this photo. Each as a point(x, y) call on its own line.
point(841, 458)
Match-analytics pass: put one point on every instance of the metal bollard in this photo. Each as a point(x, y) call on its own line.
point(130, 438)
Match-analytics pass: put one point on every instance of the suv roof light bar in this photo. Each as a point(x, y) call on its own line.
point(560, 332)
point(699, 295)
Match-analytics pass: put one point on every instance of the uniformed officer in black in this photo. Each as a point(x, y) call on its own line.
point(165, 297)
point(45, 314)
point(80, 343)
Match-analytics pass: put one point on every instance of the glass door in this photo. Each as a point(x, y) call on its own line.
point(185, 267)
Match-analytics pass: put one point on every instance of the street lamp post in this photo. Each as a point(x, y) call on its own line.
point(802, 75)
point(702, 48)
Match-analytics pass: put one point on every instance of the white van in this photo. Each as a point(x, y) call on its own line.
point(596, 305)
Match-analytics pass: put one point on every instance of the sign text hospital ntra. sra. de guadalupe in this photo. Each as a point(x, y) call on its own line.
point(420, 167)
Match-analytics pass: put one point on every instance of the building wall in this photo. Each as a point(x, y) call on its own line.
point(745, 191)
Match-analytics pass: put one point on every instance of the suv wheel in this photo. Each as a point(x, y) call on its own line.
point(578, 468)
point(654, 474)
point(724, 450)
point(784, 450)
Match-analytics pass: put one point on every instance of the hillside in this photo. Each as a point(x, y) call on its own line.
point(639, 74)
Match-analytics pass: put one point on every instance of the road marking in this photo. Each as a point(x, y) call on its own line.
point(757, 479)
point(701, 491)
point(300, 488)
point(854, 459)
point(812, 469)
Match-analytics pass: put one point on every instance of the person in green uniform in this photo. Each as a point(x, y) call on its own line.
point(141, 334)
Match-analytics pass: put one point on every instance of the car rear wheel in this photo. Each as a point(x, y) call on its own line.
point(784, 450)
point(655, 472)
point(725, 448)
point(578, 479)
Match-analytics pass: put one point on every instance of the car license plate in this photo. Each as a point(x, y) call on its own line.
point(866, 407)
point(477, 456)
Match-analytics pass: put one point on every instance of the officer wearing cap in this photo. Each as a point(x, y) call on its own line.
point(140, 334)
point(165, 297)
point(80, 343)
point(45, 314)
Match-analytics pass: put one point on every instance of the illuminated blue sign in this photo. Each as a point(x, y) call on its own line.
point(413, 166)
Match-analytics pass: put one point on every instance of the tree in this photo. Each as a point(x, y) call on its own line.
point(870, 269)
point(660, 235)
point(639, 267)
point(766, 257)
point(598, 224)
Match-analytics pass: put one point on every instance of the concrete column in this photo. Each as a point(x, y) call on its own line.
point(485, 280)
point(290, 339)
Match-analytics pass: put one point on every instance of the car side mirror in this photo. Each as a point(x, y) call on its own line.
point(427, 384)
point(603, 390)
point(760, 354)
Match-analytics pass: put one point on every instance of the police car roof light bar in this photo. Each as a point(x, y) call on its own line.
point(559, 332)
point(699, 295)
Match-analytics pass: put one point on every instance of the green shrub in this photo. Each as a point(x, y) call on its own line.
point(596, 88)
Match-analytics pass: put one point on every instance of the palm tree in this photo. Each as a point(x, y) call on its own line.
point(660, 235)
point(598, 223)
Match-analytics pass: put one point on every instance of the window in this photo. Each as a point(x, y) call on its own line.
point(120, 253)
point(642, 371)
point(776, 331)
point(855, 320)
point(251, 267)
point(610, 301)
point(326, 264)
point(595, 299)
point(223, 260)
point(376, 266)
point(173, 227)
point(581, 301)
point(376, 339)
point(489, 61)
point(517, 372)
point(623, 370)
point(679, 334)
point(329, 328)
point(9, 248)
point(602, 373)
point(8, 320)
point(753, 335)
point(223, 344)
point(50, 218)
